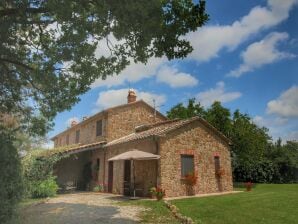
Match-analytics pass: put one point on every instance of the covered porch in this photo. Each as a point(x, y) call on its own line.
point(136, 172)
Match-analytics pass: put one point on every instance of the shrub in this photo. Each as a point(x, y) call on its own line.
point(45, 188)
point(99, 188)
point(38, 174)
point(11, 184)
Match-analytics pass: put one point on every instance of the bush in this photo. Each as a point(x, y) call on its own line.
point(10, 176)
point(45, 188)
point(38, 174)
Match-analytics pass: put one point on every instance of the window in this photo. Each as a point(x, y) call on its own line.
point(99, 128)
point(77, 136)
point(187, 165)
point(217, 164)
point(67, 139)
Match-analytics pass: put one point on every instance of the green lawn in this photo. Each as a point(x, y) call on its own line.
point(266, 203)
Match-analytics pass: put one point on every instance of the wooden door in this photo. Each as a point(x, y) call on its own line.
point(217, 170)
point(110, 177)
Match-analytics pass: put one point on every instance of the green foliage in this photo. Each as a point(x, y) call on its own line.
point(11, 185)
point(99, 188)
point(285, 158)
point(44, 188)
point(219, 117)
point(183, 112)
point(38, 173)
point(259, 171)
point(52, 51)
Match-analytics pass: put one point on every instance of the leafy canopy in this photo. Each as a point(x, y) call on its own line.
point(52, 51)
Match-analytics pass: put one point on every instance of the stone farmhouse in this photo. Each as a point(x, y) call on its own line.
point(184, 146)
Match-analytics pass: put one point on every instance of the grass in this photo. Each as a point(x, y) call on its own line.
point(265, 204)
point(156, 211)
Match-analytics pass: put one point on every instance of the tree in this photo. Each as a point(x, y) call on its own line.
point(219, 117)
point(285, 159)
point(52, 51)
point(191, 110)
point(10, 175)
point(249, 143)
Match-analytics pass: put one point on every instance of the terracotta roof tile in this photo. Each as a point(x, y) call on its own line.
point(72, 148)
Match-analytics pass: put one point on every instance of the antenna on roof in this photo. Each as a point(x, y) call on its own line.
point(154, 106)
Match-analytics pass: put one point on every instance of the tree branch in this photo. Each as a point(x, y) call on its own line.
point(16, 63)
point(14, 11)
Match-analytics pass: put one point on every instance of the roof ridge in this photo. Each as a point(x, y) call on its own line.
point(163, 122)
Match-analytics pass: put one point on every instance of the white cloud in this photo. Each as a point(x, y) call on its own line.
point(68, 122)
point(286, 105)
point(132, 73)
point(174, 78)
point(206, 98)
point(262, 53)
point(208, 41)
point(269, 121)
point(293, 135)
point(112, 98)
point(156, 67)
point(279, 127)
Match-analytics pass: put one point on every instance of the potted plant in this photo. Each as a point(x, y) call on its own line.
point(248, 185)
point(190, 181)
point(160, 193)
point(219, 173)
point(98, 188)
point(152, 191)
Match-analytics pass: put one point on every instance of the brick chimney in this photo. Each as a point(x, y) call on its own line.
point(132, 97)
point(73, 123)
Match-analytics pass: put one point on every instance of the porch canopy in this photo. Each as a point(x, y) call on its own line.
point(135, 155)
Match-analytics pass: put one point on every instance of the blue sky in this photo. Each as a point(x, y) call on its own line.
point(246, 57)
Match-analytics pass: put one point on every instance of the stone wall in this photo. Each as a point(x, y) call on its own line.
point(117, 122)
point(98, 176)
point(123, 120)
point(194, 139)
point(87, 132)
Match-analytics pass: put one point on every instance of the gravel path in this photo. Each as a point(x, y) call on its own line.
point(85, 208)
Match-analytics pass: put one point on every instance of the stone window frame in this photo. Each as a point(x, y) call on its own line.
point(78, 133)
point(67, 139)
point(195, 159)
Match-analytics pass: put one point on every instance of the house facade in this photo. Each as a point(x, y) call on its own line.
point(184, 146)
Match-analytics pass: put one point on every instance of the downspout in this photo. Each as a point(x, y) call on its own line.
point(156, 140)
point(104, 148)
point(104, 167)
